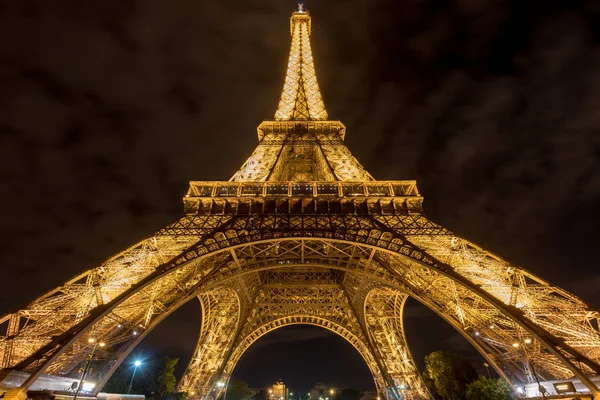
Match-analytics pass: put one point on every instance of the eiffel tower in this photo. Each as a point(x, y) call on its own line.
point(302, 234)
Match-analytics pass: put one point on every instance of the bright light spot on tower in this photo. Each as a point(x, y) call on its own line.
point(137, 363)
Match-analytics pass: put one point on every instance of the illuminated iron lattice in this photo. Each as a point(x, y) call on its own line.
point(302, 234)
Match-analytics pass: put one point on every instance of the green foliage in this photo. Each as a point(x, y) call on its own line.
point(238, 390)
point(349, 394)
point(489, 389)
point(166, 381)
point(430, 384)
point(155, 379)
point(449, 374)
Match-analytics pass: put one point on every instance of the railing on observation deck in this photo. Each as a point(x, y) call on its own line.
point(304, 189)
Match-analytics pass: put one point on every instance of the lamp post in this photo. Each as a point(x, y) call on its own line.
point(87, 364)
point(487, 368)
point(136, 364)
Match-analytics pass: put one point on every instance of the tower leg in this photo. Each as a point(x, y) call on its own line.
point(384, 320)
point(220, 316)
point(15, 394)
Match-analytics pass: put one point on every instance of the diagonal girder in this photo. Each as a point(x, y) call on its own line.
point(369, 254)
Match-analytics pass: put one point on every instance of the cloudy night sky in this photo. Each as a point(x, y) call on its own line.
point(108, 108)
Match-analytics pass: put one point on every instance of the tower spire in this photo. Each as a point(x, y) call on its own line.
point(301, 98)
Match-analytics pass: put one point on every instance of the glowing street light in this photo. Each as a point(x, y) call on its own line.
point(136, 364)
point(487, 367)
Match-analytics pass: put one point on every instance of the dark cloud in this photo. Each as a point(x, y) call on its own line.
point(108, 108)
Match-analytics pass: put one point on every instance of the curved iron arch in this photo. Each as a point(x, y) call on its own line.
point(374, 240)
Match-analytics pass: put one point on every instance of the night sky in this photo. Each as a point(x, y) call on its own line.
point(108, 108)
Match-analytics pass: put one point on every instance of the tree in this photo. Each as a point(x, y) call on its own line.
point(349, 394)
point(238, 390)
point(166, 381)
point(430, 384)
point(489, 389)
point(450, 374)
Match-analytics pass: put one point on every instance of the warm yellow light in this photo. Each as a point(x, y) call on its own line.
point(527, 340)
point(300, 97)
point(515, 344)
point(331, 391)
point(91, 340)
point(101, 344)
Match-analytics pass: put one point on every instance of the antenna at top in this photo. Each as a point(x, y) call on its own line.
point(300, 7)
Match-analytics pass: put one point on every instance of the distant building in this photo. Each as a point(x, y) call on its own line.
point(278, 392)
point(322, 391)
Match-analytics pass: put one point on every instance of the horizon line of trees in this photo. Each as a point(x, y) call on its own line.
point(155, 379)
point(447, 375)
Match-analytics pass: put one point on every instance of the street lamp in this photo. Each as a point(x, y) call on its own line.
point(87, 364)
point(136, 364)
point(487, 367)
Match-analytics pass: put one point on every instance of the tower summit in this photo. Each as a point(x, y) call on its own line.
point(301, 144)
point(300, 99)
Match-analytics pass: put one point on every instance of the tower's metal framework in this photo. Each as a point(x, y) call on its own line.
point(302, 234)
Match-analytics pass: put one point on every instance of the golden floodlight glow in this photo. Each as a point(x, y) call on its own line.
point(301, 98)
point(303, 234)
